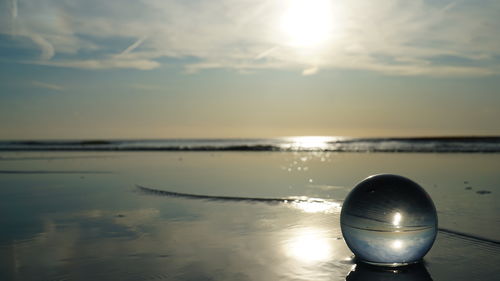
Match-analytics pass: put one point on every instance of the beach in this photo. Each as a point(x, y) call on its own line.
point(230, 140)
point(79, 215)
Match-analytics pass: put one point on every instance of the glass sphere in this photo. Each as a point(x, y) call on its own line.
point(388, 220)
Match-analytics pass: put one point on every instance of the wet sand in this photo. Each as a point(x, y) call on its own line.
point(80, 216)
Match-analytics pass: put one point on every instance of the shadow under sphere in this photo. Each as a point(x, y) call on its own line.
point(365, 272)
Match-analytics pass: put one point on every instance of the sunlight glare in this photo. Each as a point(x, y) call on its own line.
point(318, 206)
point(397, 244)
point(311, 142)
point(310, 245)
point(307, 22)
point(397, 219)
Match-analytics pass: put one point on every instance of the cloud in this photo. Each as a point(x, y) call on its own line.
point(395, 37)
point(47, 50)
point(48, 86)
point(103, 63)
point(133, 46)
point(13, 9)
point(310, 71)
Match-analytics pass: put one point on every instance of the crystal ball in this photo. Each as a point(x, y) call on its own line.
point(388, 220)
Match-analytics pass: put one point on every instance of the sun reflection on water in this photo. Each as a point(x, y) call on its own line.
point(311, 142)
point(309, 245)
point(314, 206)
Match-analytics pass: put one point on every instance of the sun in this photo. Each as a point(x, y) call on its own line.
point(307, 22)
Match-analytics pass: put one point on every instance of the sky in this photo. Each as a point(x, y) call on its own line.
point(75, 69)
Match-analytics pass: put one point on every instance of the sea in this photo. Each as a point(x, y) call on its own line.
point(234, 209)
point(333, 144)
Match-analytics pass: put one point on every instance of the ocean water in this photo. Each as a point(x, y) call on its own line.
point(232, 214)
point(332, 144)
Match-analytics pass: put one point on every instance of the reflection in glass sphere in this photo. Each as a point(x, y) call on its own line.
point(366, 272)
point(388, 220)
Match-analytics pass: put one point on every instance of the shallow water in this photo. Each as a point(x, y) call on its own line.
point(79, 215)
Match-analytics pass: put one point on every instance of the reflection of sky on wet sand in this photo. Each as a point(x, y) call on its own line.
point(217, 245)
point(97, 227)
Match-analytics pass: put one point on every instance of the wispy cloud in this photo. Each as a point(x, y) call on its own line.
point(13, 9)
point(391, 36)
point(47, 50)
point(310, 71)
point(133, 46)
point(48, 86)
point(108, 63)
